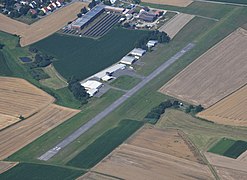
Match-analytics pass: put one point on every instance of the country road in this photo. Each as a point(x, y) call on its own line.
point(52, 152)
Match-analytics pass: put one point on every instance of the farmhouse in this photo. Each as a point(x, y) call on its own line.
point(128, 60)
point(92, 86)
point(147, 16)
point(138, 52)
point(80, 23)
point(152, 43)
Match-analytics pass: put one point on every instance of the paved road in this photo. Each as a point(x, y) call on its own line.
point(52, 152)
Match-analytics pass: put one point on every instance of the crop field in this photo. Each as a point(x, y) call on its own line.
point(4, 69)
point(55, 81)
point(19, 135)
point(181, 3)
point(148, 156)
point(228, 168)
point(96, 176)
point(95, 152)
point(19, 97)
point(29, 171)
point(125, 82)
point(176, 24)
point(231, 1)
point(229, 148)
point(6, 120)
point(42, 28)
point(231, 110)
point(4, 166)
point(83, 57)
point(213, 75)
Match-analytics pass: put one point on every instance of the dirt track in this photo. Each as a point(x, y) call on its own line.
point(180, 3)
point(19, 135)
point(177, 23)
point(154, 154)
point(214, 75)
point(230, 111)
point(42, 28)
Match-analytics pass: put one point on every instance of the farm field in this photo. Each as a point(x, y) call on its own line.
point(150, 159)
point(29, 171)
point(231, 1)
point(4, 69)
point(89, 56)
point(36, 31)
point(231, 110)
point(94, 153)
point(5, 166)
point(55, 81)
point(19, 97)
point(177, 23)
point(229, 148)
point(213, 75)
point(125, 82)
point(181, 3)
point(19, 135)
point(95, 176)
point(6, 120)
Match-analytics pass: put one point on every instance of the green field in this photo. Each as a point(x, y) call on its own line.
point(232, 1)
point(4, 68)
point(105, 144)
point(83, 57)
point(28, 171)
point(229, 148)
point(125, 82)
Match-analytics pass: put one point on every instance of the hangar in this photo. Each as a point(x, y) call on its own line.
point(138, 52)
point(128, 60)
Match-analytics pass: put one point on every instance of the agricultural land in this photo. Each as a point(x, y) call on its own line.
point(5, 166)
point(213, 75)
point(147, 154)
point(230, 1)
point(41, 29)
point(176, 24)
point(180, 3)
point(231, 110)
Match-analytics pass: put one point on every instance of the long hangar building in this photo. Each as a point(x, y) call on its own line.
point(80, 23)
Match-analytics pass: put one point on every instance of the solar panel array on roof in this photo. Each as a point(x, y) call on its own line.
point(90, 15)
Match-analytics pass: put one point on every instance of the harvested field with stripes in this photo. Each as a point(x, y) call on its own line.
point(176, 24)
point(217, 73)
point(180, 3)
point(42, 28)
point(20, 98)
point(19, 135)
point(155, 154)
point(230, 111)
point(5, 166)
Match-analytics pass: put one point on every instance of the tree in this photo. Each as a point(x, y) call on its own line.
point(1, 46)
point(198, 108)
point(92, 4)
point(84, 10)
point(79, 15)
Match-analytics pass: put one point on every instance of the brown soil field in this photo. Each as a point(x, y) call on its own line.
point(19, 97)
point(243, 157)
point(6, 120)
point(42, 28)
point(217, 73)
point(95, 176)
point(228, 168)
point(180, 3)
point(19, 135)
point(4, 166)
point(231, 110)
point(177, 23)
point(145, 157)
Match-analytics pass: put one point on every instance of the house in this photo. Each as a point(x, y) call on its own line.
point(45, 9)
point(147, 16)
point(152, 43)
point(33, 11)
point(58, 4)
point(17, 6)
point(128, 60)
point(138, 52)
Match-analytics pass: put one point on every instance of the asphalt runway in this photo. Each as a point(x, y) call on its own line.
point(72, 137)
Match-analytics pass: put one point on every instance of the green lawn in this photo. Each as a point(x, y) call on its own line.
point(28, 171)
point(210, 10)
point(125, 82)
point(229, 148)
point(4, 68)
point(83, 57)
point(106, 143)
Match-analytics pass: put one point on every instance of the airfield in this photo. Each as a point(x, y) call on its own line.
point(53, 135)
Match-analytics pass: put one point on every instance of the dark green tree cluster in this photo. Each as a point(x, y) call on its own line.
point(194, 109)
point(84, 10)
point(78, 91)
point(1, 46)
point(161, 37)
point(154, 115)
point(92, 4)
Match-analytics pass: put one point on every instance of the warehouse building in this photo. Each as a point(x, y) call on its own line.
point(128, 60)
point(138, 52)
point(80, 23)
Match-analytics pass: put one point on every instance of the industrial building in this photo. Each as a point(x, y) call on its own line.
point(80, 23)
point(91, 86)
point(138, 52)
point(128, 60)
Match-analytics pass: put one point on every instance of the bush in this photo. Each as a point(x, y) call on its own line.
point(78, 91)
